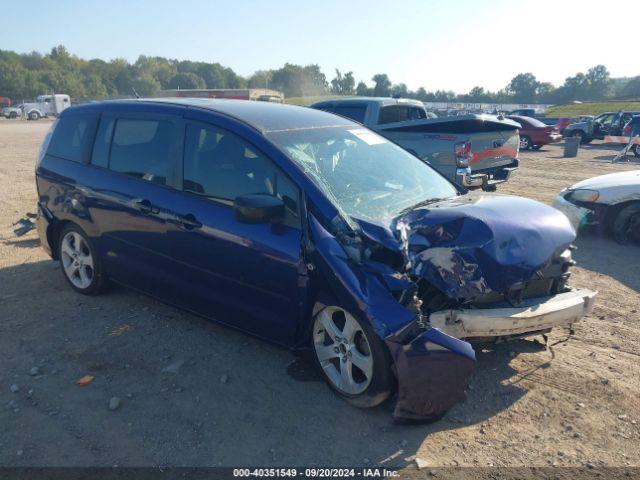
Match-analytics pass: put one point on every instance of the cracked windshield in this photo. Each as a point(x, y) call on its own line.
point(365, 175)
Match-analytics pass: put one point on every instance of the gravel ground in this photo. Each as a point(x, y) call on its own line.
point(193, 393)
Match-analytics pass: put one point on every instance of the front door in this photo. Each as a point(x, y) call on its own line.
point(248, 275)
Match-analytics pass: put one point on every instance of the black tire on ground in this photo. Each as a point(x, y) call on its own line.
point(382, 383)
point(98, 281)
point(525, 143)
point(34, 116)
point(13, 114)
point(636, 150)
point(626, 225)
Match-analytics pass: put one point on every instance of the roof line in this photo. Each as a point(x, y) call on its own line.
point(198, 107)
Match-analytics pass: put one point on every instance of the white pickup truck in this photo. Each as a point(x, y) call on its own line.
point(475, 151)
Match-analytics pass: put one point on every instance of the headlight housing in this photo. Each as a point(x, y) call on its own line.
point(582, 195)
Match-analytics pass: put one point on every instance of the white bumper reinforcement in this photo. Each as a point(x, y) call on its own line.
point(534, 315)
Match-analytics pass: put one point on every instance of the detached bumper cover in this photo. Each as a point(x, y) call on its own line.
point(535, 315)
point(434, 370)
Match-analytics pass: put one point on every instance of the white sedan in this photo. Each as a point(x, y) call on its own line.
point(609, 202)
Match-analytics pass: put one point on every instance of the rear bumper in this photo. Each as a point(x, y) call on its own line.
point(553, 138)
point(43, 223)
point(483, 178)
point(533, 316)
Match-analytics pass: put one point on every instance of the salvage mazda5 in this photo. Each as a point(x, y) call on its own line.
point(308, 230)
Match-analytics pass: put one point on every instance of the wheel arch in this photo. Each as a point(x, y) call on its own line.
point(53, 234)
point(612, 211)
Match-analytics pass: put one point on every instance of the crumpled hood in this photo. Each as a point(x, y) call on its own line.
point(480, 243)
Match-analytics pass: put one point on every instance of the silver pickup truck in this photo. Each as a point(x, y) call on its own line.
point(475, 151)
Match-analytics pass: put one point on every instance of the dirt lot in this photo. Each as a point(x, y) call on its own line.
point(229, 399)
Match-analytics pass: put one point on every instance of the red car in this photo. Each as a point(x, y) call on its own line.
point(534, 134)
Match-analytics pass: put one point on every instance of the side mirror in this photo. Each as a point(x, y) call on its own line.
point(257, 208)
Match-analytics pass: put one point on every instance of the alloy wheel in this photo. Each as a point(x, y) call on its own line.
point(77, 260)
point(343, 350)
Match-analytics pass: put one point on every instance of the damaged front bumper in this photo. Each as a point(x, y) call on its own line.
point(433, 371)
point(532, 316)
point(577, 215)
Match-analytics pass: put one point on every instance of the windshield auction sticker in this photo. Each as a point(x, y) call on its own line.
point(367, 136)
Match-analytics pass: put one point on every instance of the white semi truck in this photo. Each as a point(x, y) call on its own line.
point(46, 105)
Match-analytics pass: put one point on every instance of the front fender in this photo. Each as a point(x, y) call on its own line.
point(433, 369)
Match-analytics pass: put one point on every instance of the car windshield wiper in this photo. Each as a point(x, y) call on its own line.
point(420, 204)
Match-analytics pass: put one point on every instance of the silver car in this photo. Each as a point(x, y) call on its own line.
point(608, 202)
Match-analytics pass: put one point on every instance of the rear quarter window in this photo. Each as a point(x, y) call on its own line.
point(71, 137)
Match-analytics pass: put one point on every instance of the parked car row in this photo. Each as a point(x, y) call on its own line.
point(347, 245)
point(609, 123)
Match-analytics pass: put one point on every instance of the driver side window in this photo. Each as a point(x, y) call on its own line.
point(221, 166)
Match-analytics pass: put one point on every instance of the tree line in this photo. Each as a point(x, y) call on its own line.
point(23, 76)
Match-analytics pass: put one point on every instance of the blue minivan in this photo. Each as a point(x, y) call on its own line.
point(305, 229)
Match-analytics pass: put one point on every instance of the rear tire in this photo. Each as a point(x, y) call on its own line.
point(13, 115)
point(626, 226)
point(79, 261)
point(580, 133)
point(352, 358)
point(34, 116)
point(525, 143)
point(636, 150)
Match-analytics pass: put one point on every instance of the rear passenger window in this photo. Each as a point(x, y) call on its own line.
point(222, 166)
point(70, 137)
point(140, 148)
point(400, 113)
point(354, 112)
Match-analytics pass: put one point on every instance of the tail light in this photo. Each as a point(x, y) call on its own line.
point(627, 128)
point(463, 154)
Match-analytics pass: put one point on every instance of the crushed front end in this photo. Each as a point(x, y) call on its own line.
point(470, 268)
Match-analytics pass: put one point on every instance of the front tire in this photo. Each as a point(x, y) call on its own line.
point(80, 264)
point(13, 115)
point(352, 358)
point(626, 226)
point(34, 116)
point(636, 150)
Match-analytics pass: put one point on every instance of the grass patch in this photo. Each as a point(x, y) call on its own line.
point(306, 101)
point(596, 108)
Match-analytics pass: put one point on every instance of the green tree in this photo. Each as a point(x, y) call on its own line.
point(382, 85)
point(186, 81)
point(362, 90)
point(523, 87)
point(631, 88)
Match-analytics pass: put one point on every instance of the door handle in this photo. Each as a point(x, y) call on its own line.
point(189, 221)
point(143, 206)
